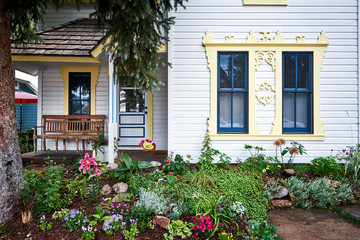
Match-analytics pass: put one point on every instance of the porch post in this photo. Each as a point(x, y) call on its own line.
point(113, 103)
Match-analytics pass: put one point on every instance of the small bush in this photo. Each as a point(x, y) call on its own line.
point(326, 167)
point(319, 193)
point(152, 200)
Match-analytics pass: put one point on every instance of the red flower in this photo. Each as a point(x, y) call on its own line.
point(178, 176)
point(171, 173)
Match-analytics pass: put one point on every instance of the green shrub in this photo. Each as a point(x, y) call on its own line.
point(26, 140)
point(128, 167)
point(351, 156)
point(260, 230)
point(49, 188)
point(235, 184)
point(326, 167)
point(152, 200)
point(177, 165)
point(140, 181)
point(319, 193)
point(177, 228)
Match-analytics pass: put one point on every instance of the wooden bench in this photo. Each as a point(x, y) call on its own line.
point(76, 127)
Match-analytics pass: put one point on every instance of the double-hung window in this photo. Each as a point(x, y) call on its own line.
point(232, 92)
point(79, 93)
point(297, 92)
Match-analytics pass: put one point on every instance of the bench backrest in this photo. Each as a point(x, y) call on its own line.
point(74, 124)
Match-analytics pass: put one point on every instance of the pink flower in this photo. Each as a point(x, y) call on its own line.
point(97, 171)
point(178, 176)
point(86, 163)
point(196, 234)
point(171, 173)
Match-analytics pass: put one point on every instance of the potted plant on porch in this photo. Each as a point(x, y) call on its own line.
point(100, 146)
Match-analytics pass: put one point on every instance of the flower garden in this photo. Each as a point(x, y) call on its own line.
point(212, 199)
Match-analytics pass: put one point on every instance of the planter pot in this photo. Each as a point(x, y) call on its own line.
point(103, 153)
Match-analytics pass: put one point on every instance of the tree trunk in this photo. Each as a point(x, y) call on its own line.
point(11, 169)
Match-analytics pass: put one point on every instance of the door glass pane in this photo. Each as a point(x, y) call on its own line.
point(239, 71)
point(289, 71)
point(303, 72)
point(288, 110)
point(238, 110)
point(302, 105)
point(225, 110)
point(131, 100)
point(225, 71)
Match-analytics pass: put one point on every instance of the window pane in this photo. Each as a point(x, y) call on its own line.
point(131, 101)
point(225, 70)
point(225, 110)
point(239, 71)
point(80, 108)
point(289, 71)
point(303, 71)
point(288, 110)
point(75, 87)
point(85, 86)
point(238, 110)
point(302, 105)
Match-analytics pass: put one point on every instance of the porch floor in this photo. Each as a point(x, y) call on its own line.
point(69, 157)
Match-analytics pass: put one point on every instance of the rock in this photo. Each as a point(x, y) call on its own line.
point(162, 221)
point(280, 203)
point(106, 190)
point(289, 172)
point(116, 198)
point(283, 192)
point(107, 223)
point(120, 187)
point(155, 164)
point(112, 166)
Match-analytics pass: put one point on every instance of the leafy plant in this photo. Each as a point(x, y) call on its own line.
point(88, 233)
point(177, 228)
point(326, 167)
point(132, 233)
point(295, 149)
point(142, 215)
point(139, 181)
point(201, 177)
point(128, 167)
point(351, 156)
point(26, 141)
point(98, 142)
point(260, 230)
point(177, 211)
point(74, 220)
point(44, 225)
point(3, 228)
point(176, 165)
point(208, 154)
point(152, 200)
point(319, 193)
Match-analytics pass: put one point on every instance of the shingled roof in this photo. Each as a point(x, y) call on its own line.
point(76, 38)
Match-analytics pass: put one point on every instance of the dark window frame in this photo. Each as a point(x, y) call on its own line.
point(79, 100)
point(309, 91)
point(233, 90)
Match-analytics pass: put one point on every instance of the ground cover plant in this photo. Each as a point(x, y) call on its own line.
point(208, 200)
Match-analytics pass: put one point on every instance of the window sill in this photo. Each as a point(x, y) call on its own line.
point(233, 137)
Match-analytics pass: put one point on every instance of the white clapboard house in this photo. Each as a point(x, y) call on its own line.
point(258, 70)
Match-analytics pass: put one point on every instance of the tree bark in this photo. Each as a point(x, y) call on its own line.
point(11, 169)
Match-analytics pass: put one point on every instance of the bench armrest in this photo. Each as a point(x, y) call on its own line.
point(35, 129)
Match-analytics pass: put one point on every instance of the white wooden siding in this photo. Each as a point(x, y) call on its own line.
point(65, 14)
point(53, 100)
point(160, 116)
point(189, 79)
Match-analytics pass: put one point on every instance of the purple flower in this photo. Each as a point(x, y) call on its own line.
point(85, 220)
point(123, 222)
point(132, 219)
point(66, 218)
point(72, 214)
point(77, 212)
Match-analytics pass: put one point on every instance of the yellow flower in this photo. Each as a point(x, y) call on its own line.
point(279, 166)
point(267, 167)
point(223, 233)
point(264, 170)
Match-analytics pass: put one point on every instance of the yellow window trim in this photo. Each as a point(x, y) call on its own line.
point(266, 2)
point(275, 46)
point(150, 115)
point(27, 58)
point(94, 71)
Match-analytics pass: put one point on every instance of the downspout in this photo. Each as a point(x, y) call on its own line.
point(358, 64)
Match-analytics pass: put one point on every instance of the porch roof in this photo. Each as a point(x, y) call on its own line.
point(77, 38)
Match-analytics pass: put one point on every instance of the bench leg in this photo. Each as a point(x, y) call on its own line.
point(35, 144)
point(83, 144)
point(64, 144)
point(44, 144)
point(56, 144)
point(77, 145)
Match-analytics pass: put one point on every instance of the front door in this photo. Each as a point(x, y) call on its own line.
point(132, 116)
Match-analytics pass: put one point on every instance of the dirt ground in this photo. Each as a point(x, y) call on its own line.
point(312, 224)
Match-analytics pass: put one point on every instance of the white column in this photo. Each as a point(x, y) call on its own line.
point(113, 116)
